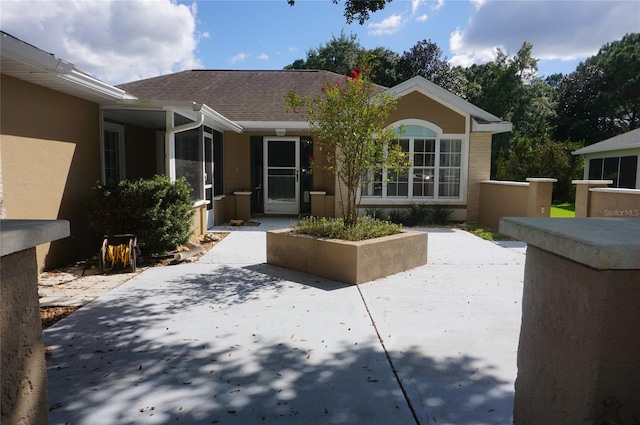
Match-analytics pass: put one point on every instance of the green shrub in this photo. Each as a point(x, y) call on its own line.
point(439, 214)
point(398, 216)
point(377, 213)
point(157, 211)
point(335, 228)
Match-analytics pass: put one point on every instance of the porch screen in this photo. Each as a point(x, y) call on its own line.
point(189, 161)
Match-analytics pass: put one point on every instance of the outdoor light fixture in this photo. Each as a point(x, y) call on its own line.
point(280, 131)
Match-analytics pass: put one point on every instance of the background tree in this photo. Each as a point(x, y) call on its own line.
point(542, 157)
point(339, 55)
point(425, 59)
point(382, 66)
point(601, 98)
point(359, 10)
point(348, 125)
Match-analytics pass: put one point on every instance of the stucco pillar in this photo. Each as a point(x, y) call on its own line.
point(539, 196)
point(582, 194)
point(23, 370)
point(578, 356)
point(317, 203)
point(243, 205)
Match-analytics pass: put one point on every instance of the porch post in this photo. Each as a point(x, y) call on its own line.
point(169, 146)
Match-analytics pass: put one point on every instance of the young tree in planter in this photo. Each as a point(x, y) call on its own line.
point(348, 124)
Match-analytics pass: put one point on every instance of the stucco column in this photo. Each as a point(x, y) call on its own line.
point(243, 205)
point(582, 194)
point(23, 370)
point(539, 197)
point(317, 203)
point(578, 359)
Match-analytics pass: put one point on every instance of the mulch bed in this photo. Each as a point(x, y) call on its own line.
point(51, 315)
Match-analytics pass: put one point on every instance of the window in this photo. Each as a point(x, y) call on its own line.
point(433, 159)
point(113, 153)
point(189, 160)
point(622, 170)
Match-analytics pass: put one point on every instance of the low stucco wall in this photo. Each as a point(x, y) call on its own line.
point(514, 199)
point(608, 202)
point(345, 261)
point(501, 199)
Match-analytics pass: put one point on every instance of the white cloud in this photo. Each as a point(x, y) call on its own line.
point(422, 18)
point(415, 5)
point(264, 57)
point(565, 30)
point(240, 57)
point(439, 4)
point(388, 25)
point(115, 41)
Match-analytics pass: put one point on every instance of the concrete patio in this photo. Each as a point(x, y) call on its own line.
point(232, 340)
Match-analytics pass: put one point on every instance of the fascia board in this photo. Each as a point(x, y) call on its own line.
point(492, 127)
point(92, 85)
point(22, 52)
point(272, 125)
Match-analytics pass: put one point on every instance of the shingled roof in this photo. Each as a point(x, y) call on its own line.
point(238, 95)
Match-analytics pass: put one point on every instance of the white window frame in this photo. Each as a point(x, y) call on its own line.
point(436, 199)
point(119, 129)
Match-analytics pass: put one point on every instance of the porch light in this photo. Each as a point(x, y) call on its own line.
point(281, 131)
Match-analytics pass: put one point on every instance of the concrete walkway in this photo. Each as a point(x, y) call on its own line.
point(232, 340)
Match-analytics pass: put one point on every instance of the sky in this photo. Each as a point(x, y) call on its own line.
point(119, 41)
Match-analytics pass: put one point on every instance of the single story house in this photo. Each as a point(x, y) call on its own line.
point(227, 131)
point(617, 159)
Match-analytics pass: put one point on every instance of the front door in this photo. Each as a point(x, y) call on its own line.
point(282, 175)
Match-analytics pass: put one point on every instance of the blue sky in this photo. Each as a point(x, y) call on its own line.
point(120, 41)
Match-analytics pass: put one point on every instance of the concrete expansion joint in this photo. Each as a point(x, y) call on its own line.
point(386, 353)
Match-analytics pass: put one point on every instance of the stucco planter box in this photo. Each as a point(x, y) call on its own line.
point(345, 261)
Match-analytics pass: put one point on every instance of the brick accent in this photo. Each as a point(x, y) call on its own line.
point(479, 170)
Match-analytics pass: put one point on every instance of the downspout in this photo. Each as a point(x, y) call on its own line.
point(170, 142)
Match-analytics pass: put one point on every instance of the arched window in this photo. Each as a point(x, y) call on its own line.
point(436, 169)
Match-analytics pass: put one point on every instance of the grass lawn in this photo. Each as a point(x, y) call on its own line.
point(563, 210)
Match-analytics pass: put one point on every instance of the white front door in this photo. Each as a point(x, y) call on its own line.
point(282, 175)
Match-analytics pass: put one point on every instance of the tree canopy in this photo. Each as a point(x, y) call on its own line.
point(358, 10)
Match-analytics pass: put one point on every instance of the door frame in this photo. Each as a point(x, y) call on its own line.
point(295, 205)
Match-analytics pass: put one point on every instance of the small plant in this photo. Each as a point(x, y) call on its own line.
point(337, 228)
point(376, 213)
point(482, 232)
point(439, 214)
point(398, 216)
point(157, 211)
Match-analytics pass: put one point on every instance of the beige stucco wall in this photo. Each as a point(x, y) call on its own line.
point(418, 106)
point(614, 203)
point(502, 199)
point(50, 147)
point(579, 343)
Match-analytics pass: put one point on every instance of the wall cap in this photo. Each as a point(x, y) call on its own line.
point(541, 180)
point(242, 193)
point(592, 182)
point(599, 243)
point(615, 190)
point(504, 182)
point(318, 192)
point(18, 235)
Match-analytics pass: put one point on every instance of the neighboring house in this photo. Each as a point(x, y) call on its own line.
point(617, 159)
point(227, 132)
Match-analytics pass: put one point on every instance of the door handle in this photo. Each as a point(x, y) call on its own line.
point(297, 175)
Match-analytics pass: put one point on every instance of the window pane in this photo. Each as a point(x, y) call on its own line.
point(189, 161)
point(628, 172)
point(449, 185)
point(595, 169)
point(423, 182)
point(610, 171)
point(282, 153)
point(398, 185)
point(111, 157)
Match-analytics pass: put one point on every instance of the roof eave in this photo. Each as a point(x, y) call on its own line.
point(491, 127)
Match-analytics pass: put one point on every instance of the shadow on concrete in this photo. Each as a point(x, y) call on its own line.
point(182, 351)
